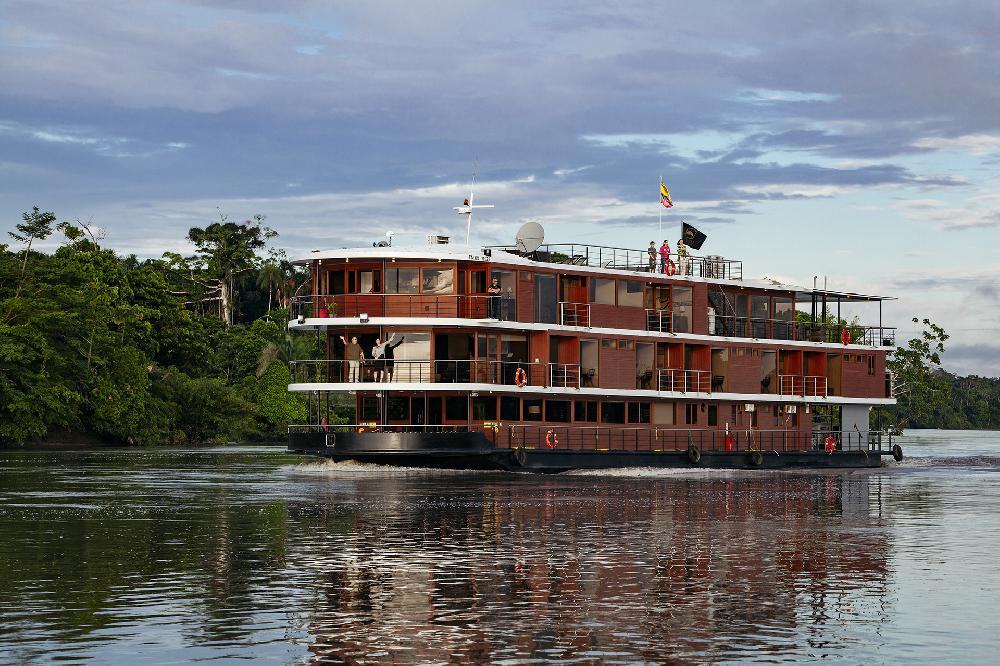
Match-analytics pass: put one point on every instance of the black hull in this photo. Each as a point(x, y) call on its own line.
point(471, 450)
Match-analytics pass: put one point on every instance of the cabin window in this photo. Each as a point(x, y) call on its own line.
point(691, 413)
point(602, 290)
point(609, 344)
point(398, 409)
point(613, 412)
point(370, 282)
point(477, 282)
point(626, 344)
point(871, 364)
point(402, 280)
point(546, 299)
point(585, 411)
point(510, 408)
point(456, 408)
point(682, 309)
point(630, 293)
point(532, 410)
point(370, 410)
point(557, 411)
point(758, 307)
point(484, 408)
point(336, 281)
point(438, 280)
point(663, 413)
point(713, 415)
point(638, 412)
point(526, 276)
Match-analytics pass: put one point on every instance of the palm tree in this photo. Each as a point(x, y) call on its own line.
point(290, 348)
point(269, 276)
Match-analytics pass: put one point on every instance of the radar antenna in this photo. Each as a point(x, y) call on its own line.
point(529, 237)
point(467, 207)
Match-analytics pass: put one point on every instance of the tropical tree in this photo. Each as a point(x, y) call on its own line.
point(225, 250)
point(269, 277)
point(920, 385)
point(36, 225)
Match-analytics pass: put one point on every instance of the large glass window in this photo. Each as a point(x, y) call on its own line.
point(336, 282)
point(484, 408)
point(638, 412)
point(758, 307)
point(402, 280)
point(510, 408)
point(557, 411)
point(612, 412)
point(585, 411)
point(602, 291)
point(682, 309)
point(477, 282)
point(630, 293)
point(370, 282)
point(412, 357)
point(398, 409)
point(456, 408)
point(438, 280)
point(546, 310)
point(508, 293)
point(532, 410)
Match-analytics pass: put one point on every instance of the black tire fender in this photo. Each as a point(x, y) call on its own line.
point(756, 458)
point(520, 456)
point(897, 453)
point(694, 454)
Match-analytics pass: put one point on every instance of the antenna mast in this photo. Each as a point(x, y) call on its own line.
point(467, 207)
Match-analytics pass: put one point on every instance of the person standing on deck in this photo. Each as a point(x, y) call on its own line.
point(354, 355)
point(494, 292)
point(651, 251)
point(682, 257)
point(378, 356)
point(664, 256)
point(390, 347)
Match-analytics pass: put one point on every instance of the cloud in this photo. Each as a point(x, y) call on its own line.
point(111, 146)
point(977, 144)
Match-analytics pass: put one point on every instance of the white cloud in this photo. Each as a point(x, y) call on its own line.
point(977, 144)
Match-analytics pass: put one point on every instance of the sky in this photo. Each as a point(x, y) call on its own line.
point(854, 141)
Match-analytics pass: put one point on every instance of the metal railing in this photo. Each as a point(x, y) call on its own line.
point(803, 385)
point(564, 375)
point(625, 437)
point(619, 258)
point(780, 329)
point(574, 314)
point(453, 371)
point(668, 321)
point(684, 381)
point(464, 306)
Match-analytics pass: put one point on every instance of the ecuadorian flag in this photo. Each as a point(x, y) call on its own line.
point(665, 196)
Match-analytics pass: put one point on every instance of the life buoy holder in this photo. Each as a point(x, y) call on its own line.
point(670, 268)
point(551, 439)
point(520, 378)
point(830, 444)
point(845, 336)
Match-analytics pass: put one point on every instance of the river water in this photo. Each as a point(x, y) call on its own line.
point(170, 556)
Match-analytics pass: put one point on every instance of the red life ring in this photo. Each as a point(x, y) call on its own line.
point(845, 336)
point(551, 439)
point(670, 268)
point(830, 444)
point(521, 378)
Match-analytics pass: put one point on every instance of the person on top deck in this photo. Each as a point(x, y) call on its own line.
point(494, 292)
point(682, 257)
point(664, 256)
point(651, 251)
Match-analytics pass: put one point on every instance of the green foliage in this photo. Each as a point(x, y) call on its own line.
point(133, 351)
point(920, 384)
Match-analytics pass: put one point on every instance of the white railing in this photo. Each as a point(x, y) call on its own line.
point(574, 314)
point(564, 375)
point(684, 381)
point(807, 385)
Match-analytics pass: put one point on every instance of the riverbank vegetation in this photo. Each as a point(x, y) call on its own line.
point(180, 349)
point(194, 348)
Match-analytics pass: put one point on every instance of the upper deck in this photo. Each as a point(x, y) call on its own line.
point(578, 286)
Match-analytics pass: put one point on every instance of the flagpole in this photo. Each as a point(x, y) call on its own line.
point(660, 208)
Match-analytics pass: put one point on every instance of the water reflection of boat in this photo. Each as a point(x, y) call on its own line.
point(555, 357)
point(686, 568)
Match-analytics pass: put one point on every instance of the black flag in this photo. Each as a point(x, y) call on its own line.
point(692, 237)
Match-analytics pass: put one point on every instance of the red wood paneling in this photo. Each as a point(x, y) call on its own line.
point(612, 316)
point(617, 368)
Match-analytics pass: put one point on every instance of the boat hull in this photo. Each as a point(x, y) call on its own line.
point(471, 450)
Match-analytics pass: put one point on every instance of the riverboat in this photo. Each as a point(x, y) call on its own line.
point(547, 357)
